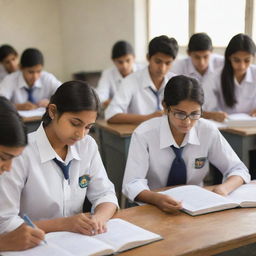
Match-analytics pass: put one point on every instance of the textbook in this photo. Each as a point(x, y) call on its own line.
point(240, 120)
point(120, 236)
point(197, 200)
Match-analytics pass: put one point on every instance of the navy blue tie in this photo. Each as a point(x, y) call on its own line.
point(156, 93)
point(30, 94)
point(63, 167)
point(178, 172)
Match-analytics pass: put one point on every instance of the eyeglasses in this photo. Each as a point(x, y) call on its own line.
point(183, 116)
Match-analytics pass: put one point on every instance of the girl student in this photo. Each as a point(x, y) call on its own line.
point(177, 148)
point(123, 58)
point(30, 87)
point(233, 88)
point(59, 167)
point(13, 139)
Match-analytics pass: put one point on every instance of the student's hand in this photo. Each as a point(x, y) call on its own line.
point(26, 106)
point(24, 237)
point(81, 223)
point(166, 203)
point(100, 224)
point(220, 189)
point(43, 103)
point(253, 113)
point(218, 116)
point(156, 114)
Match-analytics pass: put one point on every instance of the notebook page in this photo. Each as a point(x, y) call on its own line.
point(78, 244)
point(31, 113)
point(195, 198)
point(123, 235)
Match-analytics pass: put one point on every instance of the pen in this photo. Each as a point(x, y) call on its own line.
point(29, 222)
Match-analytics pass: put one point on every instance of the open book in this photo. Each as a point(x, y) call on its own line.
point(121, 236)
point(240, 120)
point(32, 113)
point(197, 200)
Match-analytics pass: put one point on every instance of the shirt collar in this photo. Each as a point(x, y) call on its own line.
point(192, 70)
point(47, 153)
point(166, 137)
point(147, 81)
point(22, 83)
point(247, 79)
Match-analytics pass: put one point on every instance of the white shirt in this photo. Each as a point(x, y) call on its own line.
point(245, 93)
point(186, 67)
point(13, 87)
point(150, 156)
point(36, 185)
point(135, 95)
point(3, 73)
point(110, 81)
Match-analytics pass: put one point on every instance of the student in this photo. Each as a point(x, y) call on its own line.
point(13, 139)
point(177, 148)
point(233, 88)
point(123, 58)
point(139, 96)
point(9, 60)
point(201, 62)
point(59, 167)
point(30, 87)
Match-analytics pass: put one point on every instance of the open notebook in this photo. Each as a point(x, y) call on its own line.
point(197, 200)
point(32, 113)
point(121, 236)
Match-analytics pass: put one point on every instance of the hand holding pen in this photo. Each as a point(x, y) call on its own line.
point(29, 222)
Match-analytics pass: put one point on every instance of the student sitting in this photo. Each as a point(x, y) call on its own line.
point(30, 87)
point(13, 139)
point(111, 78)
point(60, 167)
point(9, 60)
point(201, 61)
point(177, 148)
point(233, 88)
point(139, 96)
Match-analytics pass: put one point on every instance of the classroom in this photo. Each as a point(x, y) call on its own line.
point(128, 126)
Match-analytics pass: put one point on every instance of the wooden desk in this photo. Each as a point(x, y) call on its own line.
point(114, 145)
point(32, 123)
point(186, 235)
point(115, 141)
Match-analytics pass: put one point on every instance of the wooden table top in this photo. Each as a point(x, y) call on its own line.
point(186, 235)
point(124, 130)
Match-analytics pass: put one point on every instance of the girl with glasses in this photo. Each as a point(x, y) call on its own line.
point(13, 139)
point(177, 148)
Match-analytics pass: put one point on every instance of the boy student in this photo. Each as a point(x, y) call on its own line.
point(123, 58)
point(140, 95)
point(30, 87)
point(9, 60)
point(201, 62)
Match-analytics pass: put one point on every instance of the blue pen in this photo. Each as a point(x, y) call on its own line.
point(30, 223)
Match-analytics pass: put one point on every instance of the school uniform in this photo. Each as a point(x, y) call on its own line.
point(110, 81)
point(36, 185)
point(245, 93)
point(150, 156)
point(14, 86)
point(138, 95)
point(3, 73)
point(186, 67)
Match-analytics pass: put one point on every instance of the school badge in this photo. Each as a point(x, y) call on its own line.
point(84, 181)
point(200, 162)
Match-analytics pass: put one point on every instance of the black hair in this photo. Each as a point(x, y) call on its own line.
point(73, 96)
point(200, 42)
point(181, 88)
point(31, 57)
point(120, 49)
point(12, 129)
point(6, 50)
point(163, 44)
point(239, 42)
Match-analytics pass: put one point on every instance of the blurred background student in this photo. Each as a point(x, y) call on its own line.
point(9, 60)
point(13, 139)
point(30, 87)
point(124, 64)
point(233, 88)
